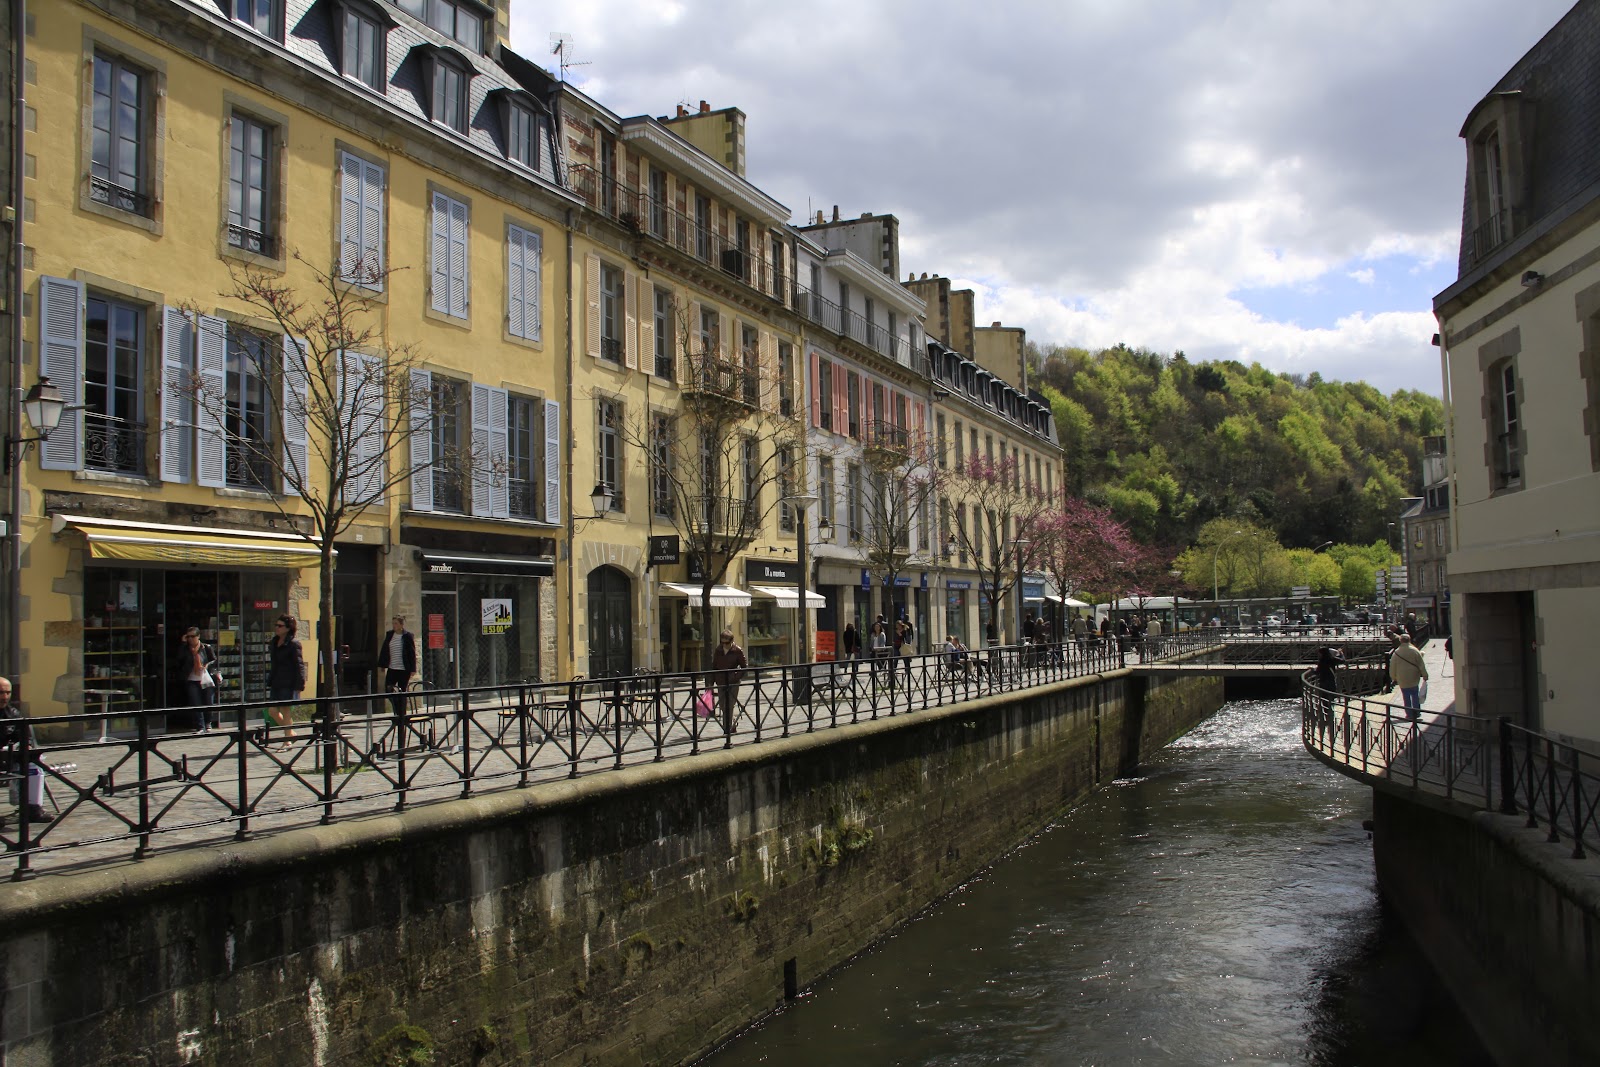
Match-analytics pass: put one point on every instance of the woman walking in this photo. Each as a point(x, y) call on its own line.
point(286, 673)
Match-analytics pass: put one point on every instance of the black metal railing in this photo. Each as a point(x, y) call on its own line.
point(254, 241)
point(1493, 232)
point(1483, 764)
point(836, 319)
point(155, 783)
point(120, 197)
point(113, 444)
point(885, 436)
point(248, 468)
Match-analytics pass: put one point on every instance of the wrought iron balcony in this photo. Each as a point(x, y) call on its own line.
point(723, 378)
point(885, 437)
point(113, 444)
point(1494, 232)
point(527, 497)
point(720, 516)
point(111, 194)
point(857, 327)
point(253, 241)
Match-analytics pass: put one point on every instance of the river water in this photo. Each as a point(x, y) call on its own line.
point(1219, 908)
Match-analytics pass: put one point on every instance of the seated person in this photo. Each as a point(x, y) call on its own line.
point(956, 655)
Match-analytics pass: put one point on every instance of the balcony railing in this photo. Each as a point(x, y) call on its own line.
point(644, 214)
point(527, 497)
point(887, 437)
point(247, 469)
point(253, 241)
point(719, 515)
point(1494, 232)
point(120, 197)
point(113, 444)
point(835, 319)
point(724, 378)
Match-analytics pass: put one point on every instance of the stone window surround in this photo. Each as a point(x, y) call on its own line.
point(1491, 356)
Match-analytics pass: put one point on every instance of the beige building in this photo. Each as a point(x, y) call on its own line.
point(1520, 336)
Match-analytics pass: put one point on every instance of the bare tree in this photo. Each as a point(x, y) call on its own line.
point(902, 482)
point(995, 509)
point(729, 456)
point(327, 413)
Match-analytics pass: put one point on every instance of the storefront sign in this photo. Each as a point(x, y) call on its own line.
point(771, 572)
point(901, 581)
point(435, 638)
point(436, 623)
point(496, 615)
point(266, 605)
point(1032, 589)
point(695, 571)
point(664, 548)
point(957, 583)
point(827, 645)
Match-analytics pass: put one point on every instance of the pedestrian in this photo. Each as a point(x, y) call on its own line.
point(398, 655)
point(1328, 661)
point(729, 661)
point(879, 639)
point(286, 673)
point(196, 665)
point(14, 730)
point(852, 641)
point(1408, 671)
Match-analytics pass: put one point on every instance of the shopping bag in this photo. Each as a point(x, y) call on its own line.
point(1422, 691)
point(705, 704)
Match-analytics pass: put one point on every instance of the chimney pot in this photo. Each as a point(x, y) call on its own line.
point(866, 214)
point(819, 216)
point(704, 107)
point(836, 213)
point(682, 111)
point(994, 325)
point(924, 275)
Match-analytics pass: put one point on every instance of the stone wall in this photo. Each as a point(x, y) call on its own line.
point(1509, 921)
point(633, 917)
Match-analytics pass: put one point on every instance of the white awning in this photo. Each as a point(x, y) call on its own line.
point(722, 596)
point(1065, 601)
point(789, 597)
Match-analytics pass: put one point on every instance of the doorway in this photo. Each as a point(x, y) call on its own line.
point(610, 623)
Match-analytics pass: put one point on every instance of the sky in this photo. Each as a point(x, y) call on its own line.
point(1272, 181)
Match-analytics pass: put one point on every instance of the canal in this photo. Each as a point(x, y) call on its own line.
point(1218, 908)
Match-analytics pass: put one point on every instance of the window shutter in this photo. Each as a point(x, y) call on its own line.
point(352, 172)
point(361, 397)
point(591, 296)
point(841, 401)
point(372, 223)
point(552, 461)
point(687, 365)
point(816, 390)
point(630, 329)
point(532, 283)
point(516, 298)
point(421, 440)
point(460, 278)
point(647, 327)
point(439, 255)
point(483, 464)
point(500, 454)
point(177, 405)
point(61, 360)
point(296, 389)
point(522, 283)
point(211, 446)
point(767, 369)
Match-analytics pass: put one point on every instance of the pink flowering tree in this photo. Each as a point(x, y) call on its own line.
point(1081, 546)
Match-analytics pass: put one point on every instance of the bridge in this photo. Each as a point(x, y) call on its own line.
point(116, 794)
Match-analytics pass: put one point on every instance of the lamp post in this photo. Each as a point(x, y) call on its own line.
point(1215, 552)
point(42, 407)
point(802, 503)
point(1020, 543)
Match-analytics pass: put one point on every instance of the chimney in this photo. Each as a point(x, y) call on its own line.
point(682, 111)
point(705, 108)
point(866, 214)
point(994, 326)
point(836, 213)
point(924, 275)
point(819, 216)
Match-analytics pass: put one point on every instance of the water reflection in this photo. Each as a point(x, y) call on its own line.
point(1219, 909)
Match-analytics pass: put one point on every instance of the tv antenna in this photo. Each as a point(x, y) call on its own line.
point(561, 46)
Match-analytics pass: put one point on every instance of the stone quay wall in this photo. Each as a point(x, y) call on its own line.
point(1510, 922)
point(632, 917)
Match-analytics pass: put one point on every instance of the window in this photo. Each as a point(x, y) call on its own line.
point(824, 389)
point(113, 370)
point(778, 279)
point(522, 457)
point(852, 503)
point(871, 315)
point(663, 435)
point(610, 313)
point(786, 378)
point(664, 335)
point(459, 23)
point(1049, 489)
point(248, 422)
point(524, 271)
point(250, 195)
point(1505, 424)
point(450, 425)
point(608, 174)
point(608, 451)
point(522, 135)
point(702, 226)
point(361, 222)
point(960, 452)
point(259, 15)
point(658, 202)
point(361, 49)
point(118, 164)
point(449, 95)
point(786, 512)
point(825, 491)
point(750, 359)
point(938, 429)
point(853, 403)
point(710, 339)
point(447, 256)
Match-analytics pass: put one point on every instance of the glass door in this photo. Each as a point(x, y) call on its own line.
point(439, 632)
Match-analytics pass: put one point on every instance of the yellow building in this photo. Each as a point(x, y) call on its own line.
point(169, 150)
point(683, 294)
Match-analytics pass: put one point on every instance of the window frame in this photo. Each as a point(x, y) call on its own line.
point(267, 243)
point(371, 181)
point(365, 16)
point(455, 268)
point(244, 470)
point(522, 127)
point(523, 418)
point(663, 438)
point(449, 428)
point(664, 336)
point(117, 441)
point(105, 191)
point(253, 19)
point(443, 68)
point(613, 288)
point(608, 451)
point(524, 261)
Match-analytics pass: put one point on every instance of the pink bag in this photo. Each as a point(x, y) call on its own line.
point(705, 704)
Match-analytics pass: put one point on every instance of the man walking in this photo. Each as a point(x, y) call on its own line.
point(1407, 669)
point(398, 655)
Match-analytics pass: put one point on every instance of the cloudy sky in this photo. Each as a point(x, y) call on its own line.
point(1276, 181)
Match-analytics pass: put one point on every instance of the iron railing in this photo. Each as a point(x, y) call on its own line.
point(1484, 764)
point(840, 320)
point(113, 444)
point(133, 784)
point(102, 191)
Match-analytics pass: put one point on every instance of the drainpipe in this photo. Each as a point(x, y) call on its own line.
point(19, 15)
point(566, 448)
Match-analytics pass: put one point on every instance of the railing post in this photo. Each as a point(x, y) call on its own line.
point(1508, 770)
point(1551, 789)
point(242, 833)
point(144, 786)
point(616, 723)
point(1577, 805)
point(465, 720)
point(323, 724)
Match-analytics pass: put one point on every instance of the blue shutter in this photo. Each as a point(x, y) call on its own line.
point(296, 387)
point(439, 255)
point(552, 461)
point(499, 454)
point(516, 277)
point(211, 445)
point(61, 360)
point(421, 407)
point(483, 470)
point(177, 400)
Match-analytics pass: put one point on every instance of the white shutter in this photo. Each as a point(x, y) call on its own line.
point(767, 370)
point(361, 397)
point(351, 174)
point(692, 357)
point(482, 463)
point(516, 283)
point(439, 255)
point(591, 296)
point(630, 328)
point(421, 440)
point(460, 283)
point(532, 280)
point(61, 317)
point(647, 327)
point(552, 461)
point(176, 442)
point(296, 391)
point(372, 224)
point(211, 445)
point(499, 454)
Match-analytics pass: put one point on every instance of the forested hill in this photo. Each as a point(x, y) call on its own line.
point(1170, 444)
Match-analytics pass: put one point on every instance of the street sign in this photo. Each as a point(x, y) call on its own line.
point(1300, 592)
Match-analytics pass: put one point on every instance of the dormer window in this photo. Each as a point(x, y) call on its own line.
point(448, 78)
point(519, 119)
point(459, 22)
point(1497, 177)
point(363, 30)
point(263, 16)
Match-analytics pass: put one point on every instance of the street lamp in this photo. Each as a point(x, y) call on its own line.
point(801, 503)
point(1020, 543)
point(42, 406)
point(1215, 599)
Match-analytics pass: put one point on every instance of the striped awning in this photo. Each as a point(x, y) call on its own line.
point(722, 596)
point(124, 539)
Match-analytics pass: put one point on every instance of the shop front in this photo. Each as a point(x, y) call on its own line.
point(957, 597)
point(773, 623)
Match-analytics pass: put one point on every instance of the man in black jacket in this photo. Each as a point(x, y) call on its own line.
point(14, 730)
point(398, 658)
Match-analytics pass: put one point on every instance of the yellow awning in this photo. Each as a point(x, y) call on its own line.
point(164, 543)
